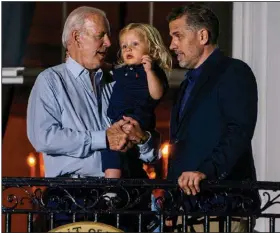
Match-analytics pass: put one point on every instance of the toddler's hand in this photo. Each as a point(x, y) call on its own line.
point(147, 63)
point(126, 128)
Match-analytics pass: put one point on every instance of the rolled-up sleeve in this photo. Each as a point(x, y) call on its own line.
point(44, 126)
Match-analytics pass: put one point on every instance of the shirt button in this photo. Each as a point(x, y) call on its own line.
point(125, 74)
point(131, 68)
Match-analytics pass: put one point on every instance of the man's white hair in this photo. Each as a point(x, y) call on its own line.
point(76, 20)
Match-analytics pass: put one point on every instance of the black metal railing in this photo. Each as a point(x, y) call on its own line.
point(47, 203)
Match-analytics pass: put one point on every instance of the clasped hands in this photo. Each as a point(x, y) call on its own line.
point(124, 134)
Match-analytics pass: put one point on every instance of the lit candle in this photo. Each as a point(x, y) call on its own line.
point(41, 164)
point(31, 161)
point(165, 154)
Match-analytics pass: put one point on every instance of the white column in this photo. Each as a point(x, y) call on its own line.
point(256, 40)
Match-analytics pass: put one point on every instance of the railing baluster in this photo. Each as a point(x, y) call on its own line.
point(271, 224)
point(51, 221)
point(185, 226)
point(8, 222)
point(161, 223)
point(206, 223)
point(74, 217)
point(139, 222)
point(118, 220)
point(95, 217)
point(29, 222)
point(250, 224)
point(228, 224)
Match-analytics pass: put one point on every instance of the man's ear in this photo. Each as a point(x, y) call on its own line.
point(203, 36)
point(76, 37)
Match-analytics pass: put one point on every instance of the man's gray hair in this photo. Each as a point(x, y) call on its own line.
point(76, 20)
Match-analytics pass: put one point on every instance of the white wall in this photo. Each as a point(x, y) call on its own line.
point(256, 40)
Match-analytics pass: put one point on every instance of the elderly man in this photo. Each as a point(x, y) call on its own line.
point(67, 109)
point(66, 116)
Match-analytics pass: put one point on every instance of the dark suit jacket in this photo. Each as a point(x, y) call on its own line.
point(214, 134)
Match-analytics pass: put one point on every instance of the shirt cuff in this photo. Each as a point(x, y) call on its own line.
point(147, 146)
point(98, 140)
point(149, 152)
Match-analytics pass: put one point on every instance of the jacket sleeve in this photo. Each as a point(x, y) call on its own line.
point(238, 101)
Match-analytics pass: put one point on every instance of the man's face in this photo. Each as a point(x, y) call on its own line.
point(133, 47)
point(185, 43)
point(94, 41)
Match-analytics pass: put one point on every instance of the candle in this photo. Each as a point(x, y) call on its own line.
point(41, 164)
point(165, 154)
point(31, 161)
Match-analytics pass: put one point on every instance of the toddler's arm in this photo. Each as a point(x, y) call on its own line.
point(155, 83)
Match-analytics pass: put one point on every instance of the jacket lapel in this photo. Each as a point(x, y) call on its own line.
point(193, 95)
point(200, 87)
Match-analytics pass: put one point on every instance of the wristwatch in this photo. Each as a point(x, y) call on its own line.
point(145, 138)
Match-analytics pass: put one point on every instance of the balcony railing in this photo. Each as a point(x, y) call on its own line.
point(127, 204)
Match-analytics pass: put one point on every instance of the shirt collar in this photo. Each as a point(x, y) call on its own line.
point(194, 73)
point(139, 66)
point(77, 69)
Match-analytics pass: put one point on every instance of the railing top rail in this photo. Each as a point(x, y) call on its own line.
point(100, 181)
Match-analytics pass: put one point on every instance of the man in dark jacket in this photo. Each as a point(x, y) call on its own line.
point(214, 115)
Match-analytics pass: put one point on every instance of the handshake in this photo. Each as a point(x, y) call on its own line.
point(124, 134)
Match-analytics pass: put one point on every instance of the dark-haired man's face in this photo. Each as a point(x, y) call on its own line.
point(186, 43)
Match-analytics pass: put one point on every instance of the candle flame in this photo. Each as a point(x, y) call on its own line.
point(31, 160)
point(165, 150)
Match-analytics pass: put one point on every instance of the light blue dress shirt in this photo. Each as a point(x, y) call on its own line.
point(64, 124)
